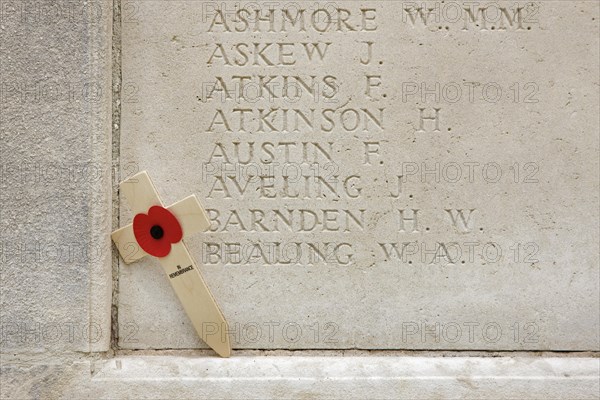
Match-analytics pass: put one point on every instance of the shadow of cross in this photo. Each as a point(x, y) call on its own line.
point(182, 271)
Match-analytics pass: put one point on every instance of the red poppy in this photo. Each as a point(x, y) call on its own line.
point(156, 231)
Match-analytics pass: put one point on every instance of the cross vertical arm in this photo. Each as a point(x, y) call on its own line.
point(198, 303)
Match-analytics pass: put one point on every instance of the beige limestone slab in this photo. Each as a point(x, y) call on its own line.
point(516, 104)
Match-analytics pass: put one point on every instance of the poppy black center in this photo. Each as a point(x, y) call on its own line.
point(157, 232)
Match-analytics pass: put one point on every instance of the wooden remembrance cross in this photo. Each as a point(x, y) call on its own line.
point(159, 231)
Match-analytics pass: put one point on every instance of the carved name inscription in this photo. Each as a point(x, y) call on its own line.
point(335, 185)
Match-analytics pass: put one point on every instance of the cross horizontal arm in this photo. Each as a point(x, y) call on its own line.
point(128, 247)
point(189, 213)
point(191, 216)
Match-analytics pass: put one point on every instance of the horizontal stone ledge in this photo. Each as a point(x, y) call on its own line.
point(349, 377)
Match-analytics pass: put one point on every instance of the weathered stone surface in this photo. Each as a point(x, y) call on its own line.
point(517, 104)
point(55, 176)
point(248, 377)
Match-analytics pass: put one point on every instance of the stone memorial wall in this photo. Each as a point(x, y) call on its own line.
point(403, 195)
point(379, 175)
